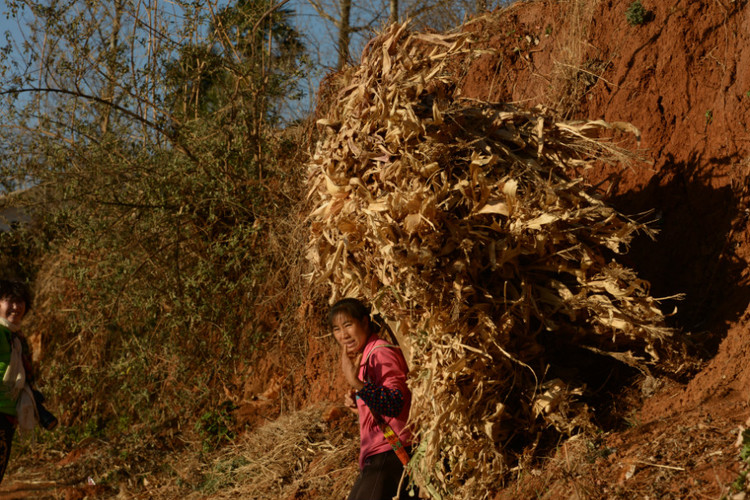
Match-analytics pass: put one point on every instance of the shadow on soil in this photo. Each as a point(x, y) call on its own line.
point(694, 252)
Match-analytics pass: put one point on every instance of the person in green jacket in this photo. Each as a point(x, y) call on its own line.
point(15, 301)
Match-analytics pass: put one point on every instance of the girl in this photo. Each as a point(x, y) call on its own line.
point(15, 301)
point(376, 372)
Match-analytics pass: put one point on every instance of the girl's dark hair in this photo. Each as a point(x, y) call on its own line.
point(15, 290)
point(354, 308)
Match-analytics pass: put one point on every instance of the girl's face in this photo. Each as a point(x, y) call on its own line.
point(12, 309)
point(351, 333)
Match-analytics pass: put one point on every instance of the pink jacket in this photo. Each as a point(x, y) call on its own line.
point(386, 367)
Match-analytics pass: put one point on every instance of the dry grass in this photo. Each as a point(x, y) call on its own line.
point(573, 75)
point(296, 456)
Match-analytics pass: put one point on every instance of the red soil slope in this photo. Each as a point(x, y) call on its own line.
point(683, 79)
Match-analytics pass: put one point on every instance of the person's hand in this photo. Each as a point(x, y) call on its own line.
point(350, 367)
point(350, 400)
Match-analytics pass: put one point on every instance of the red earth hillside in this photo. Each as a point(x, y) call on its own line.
point(683, 79)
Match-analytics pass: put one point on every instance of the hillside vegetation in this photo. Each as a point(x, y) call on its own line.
point(191, 281)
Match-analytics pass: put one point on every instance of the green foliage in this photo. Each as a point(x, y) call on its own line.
point(222, 474)
point(214, 426)
point(17, 260)
point(636, 14)
point(203, 77)
point(740, 482)
point(745, 449)
point(158, 175)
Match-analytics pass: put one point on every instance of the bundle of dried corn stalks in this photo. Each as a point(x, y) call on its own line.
point(458, 221)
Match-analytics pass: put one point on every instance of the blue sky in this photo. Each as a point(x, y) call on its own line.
point(317, 35)
point(11, 26)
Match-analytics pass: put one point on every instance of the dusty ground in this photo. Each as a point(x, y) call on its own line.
point(683, 79)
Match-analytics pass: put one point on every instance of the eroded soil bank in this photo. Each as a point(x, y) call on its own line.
point(683, 79)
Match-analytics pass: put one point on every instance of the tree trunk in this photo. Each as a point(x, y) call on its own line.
point(393, 18)
point(344, 33)
point(108, 92)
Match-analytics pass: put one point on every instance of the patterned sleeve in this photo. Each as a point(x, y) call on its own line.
point(385, 391)
point(382, 400)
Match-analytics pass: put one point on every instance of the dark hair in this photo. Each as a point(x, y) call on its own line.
point(353, 308)
point(15, 290)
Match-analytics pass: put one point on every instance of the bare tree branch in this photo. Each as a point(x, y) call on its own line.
point(173, 138)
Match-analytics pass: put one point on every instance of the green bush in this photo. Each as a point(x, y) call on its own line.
point(636, 14)
point(215, 426)
point(164, 195)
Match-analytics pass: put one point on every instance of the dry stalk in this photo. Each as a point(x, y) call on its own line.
point(291, 457)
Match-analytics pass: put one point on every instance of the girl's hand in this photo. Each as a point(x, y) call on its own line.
point(350, 367)
point(350, 400)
